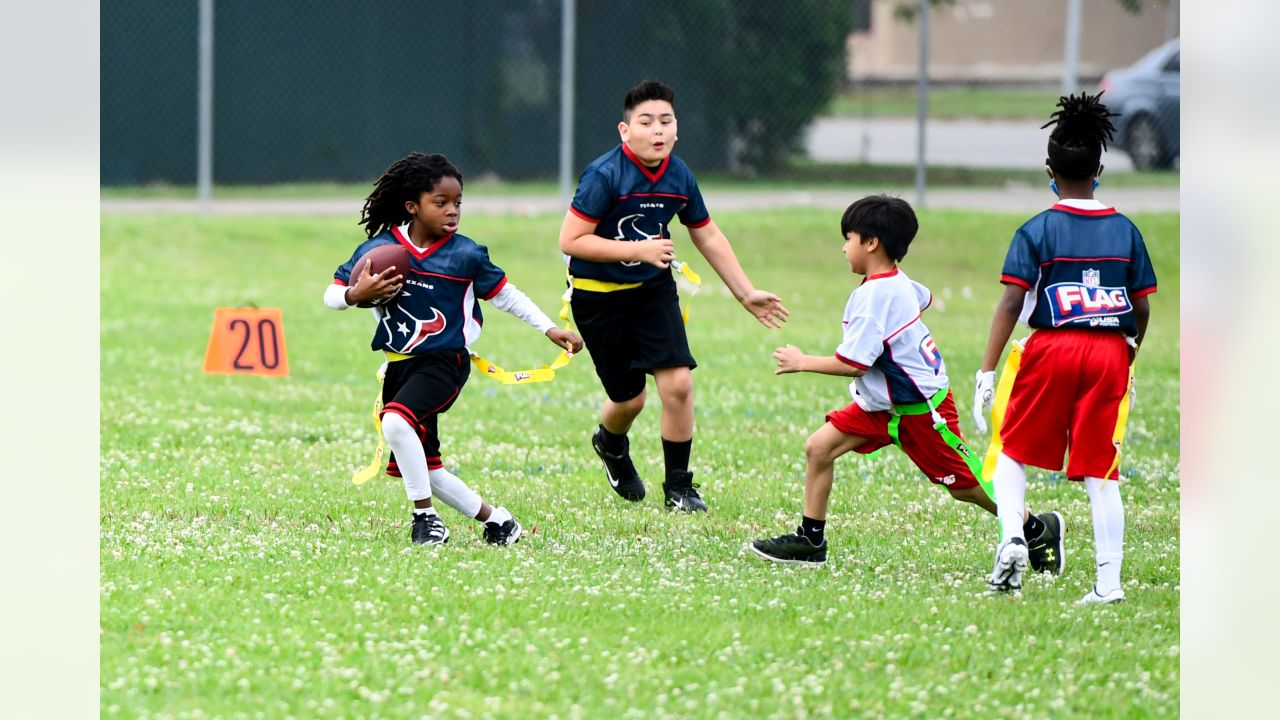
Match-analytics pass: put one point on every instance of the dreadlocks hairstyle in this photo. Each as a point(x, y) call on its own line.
point(405, 180)
point(647, 90)
point(1083, 130)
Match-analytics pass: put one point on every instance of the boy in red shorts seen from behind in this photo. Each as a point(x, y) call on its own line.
point(1079, 275)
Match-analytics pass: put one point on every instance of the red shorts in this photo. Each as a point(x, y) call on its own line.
point(920, 441)
point(1067, 394)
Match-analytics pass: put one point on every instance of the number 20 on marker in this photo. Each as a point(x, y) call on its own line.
point(247, 341)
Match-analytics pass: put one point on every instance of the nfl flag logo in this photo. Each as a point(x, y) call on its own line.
point(1091, 278)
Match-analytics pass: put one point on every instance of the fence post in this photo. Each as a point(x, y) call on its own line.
point(922, 101)
point(204, 120)
point(568, 31)
point(1071, 59)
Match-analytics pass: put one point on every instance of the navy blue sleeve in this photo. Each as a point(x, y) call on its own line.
point(1142, 277)
point(594, 195)
point(342, 275)
point(1022, 263)
point(487, 277)
point(694, 214)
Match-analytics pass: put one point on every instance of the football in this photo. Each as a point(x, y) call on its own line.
point(379, 259)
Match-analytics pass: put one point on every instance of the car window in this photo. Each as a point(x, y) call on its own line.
point(1172, 65)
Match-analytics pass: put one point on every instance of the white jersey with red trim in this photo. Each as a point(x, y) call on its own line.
point(885, 336)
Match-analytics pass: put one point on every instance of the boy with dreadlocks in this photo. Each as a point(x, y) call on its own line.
point(616, 238)
point(1079, 275)
point(426, 330)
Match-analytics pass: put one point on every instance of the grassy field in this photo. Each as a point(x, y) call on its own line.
point(946, 102)
point(243, 575)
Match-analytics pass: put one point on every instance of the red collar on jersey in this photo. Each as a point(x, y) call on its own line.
point(653, 175)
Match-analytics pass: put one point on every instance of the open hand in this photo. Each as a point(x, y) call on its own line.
point(767, 308)
point(569, 340)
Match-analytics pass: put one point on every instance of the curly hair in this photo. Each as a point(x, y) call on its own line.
point(1083, 130)
point(405, 180)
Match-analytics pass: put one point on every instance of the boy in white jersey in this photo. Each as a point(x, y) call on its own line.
point(900, 388)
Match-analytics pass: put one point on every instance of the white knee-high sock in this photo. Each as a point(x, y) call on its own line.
point(410, 457)
point(1010, 483)
point(455, 493)
point(1108, 530)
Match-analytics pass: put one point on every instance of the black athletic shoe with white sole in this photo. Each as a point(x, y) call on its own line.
point(681, 493)
point(429, 530)
point(507, 533)
point(793, 549)
point(1046, 553)
point(618, 468)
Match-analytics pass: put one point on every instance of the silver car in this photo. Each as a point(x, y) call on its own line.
point(1146, 95)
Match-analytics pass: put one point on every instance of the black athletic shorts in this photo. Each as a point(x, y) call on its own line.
point(632, 332)
point(419, 389)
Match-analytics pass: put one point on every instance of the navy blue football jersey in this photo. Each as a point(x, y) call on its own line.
point(437, 308)
point(1082, 264)
point(628, 201)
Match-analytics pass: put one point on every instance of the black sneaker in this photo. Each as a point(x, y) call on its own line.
point(793, 549)
point(507, 533)
point(619, 469)
point(429, 530)
point(682, 493)
point(1045, 553)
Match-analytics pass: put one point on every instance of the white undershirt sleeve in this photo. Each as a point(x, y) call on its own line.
point(511, 300)
point(335, 297)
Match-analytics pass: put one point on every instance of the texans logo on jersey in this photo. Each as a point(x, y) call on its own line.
point(929, 353)
point(1085, 304)
point(413, 332)
point(623, 234)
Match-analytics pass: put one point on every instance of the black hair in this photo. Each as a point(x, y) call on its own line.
point(405, 180)
point(1083, 130)
point(647, 90)
point(888, 218)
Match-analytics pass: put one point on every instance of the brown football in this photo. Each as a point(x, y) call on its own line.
point(379, 259)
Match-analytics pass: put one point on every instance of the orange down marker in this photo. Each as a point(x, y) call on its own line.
point(247, 341)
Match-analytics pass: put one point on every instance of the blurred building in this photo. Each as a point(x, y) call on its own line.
point(1006, 41)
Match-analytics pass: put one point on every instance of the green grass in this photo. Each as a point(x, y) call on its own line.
point(244, 575)
point(946, 102)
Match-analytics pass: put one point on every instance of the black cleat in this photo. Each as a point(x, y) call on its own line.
point(429, 530)
point(682, 493)
point(793, 549)
point(619, 469)
point(507, 533)
point(1046, 553)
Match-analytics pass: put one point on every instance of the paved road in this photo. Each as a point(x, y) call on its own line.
point(1015, 198)
point(971, 143)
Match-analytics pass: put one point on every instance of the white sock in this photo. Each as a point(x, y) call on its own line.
point(455, 493)
point(1010, 483)
point(425, 511)
point(499, 515)
point(1108, 530)
point(410, 457)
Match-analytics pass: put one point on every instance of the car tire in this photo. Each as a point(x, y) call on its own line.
point(1144, 145)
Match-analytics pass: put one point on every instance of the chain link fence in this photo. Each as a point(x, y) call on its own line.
point(333, 91)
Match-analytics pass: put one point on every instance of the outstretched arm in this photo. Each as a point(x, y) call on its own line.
point(513, 301)
point(714, 246)
point(791, 359)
